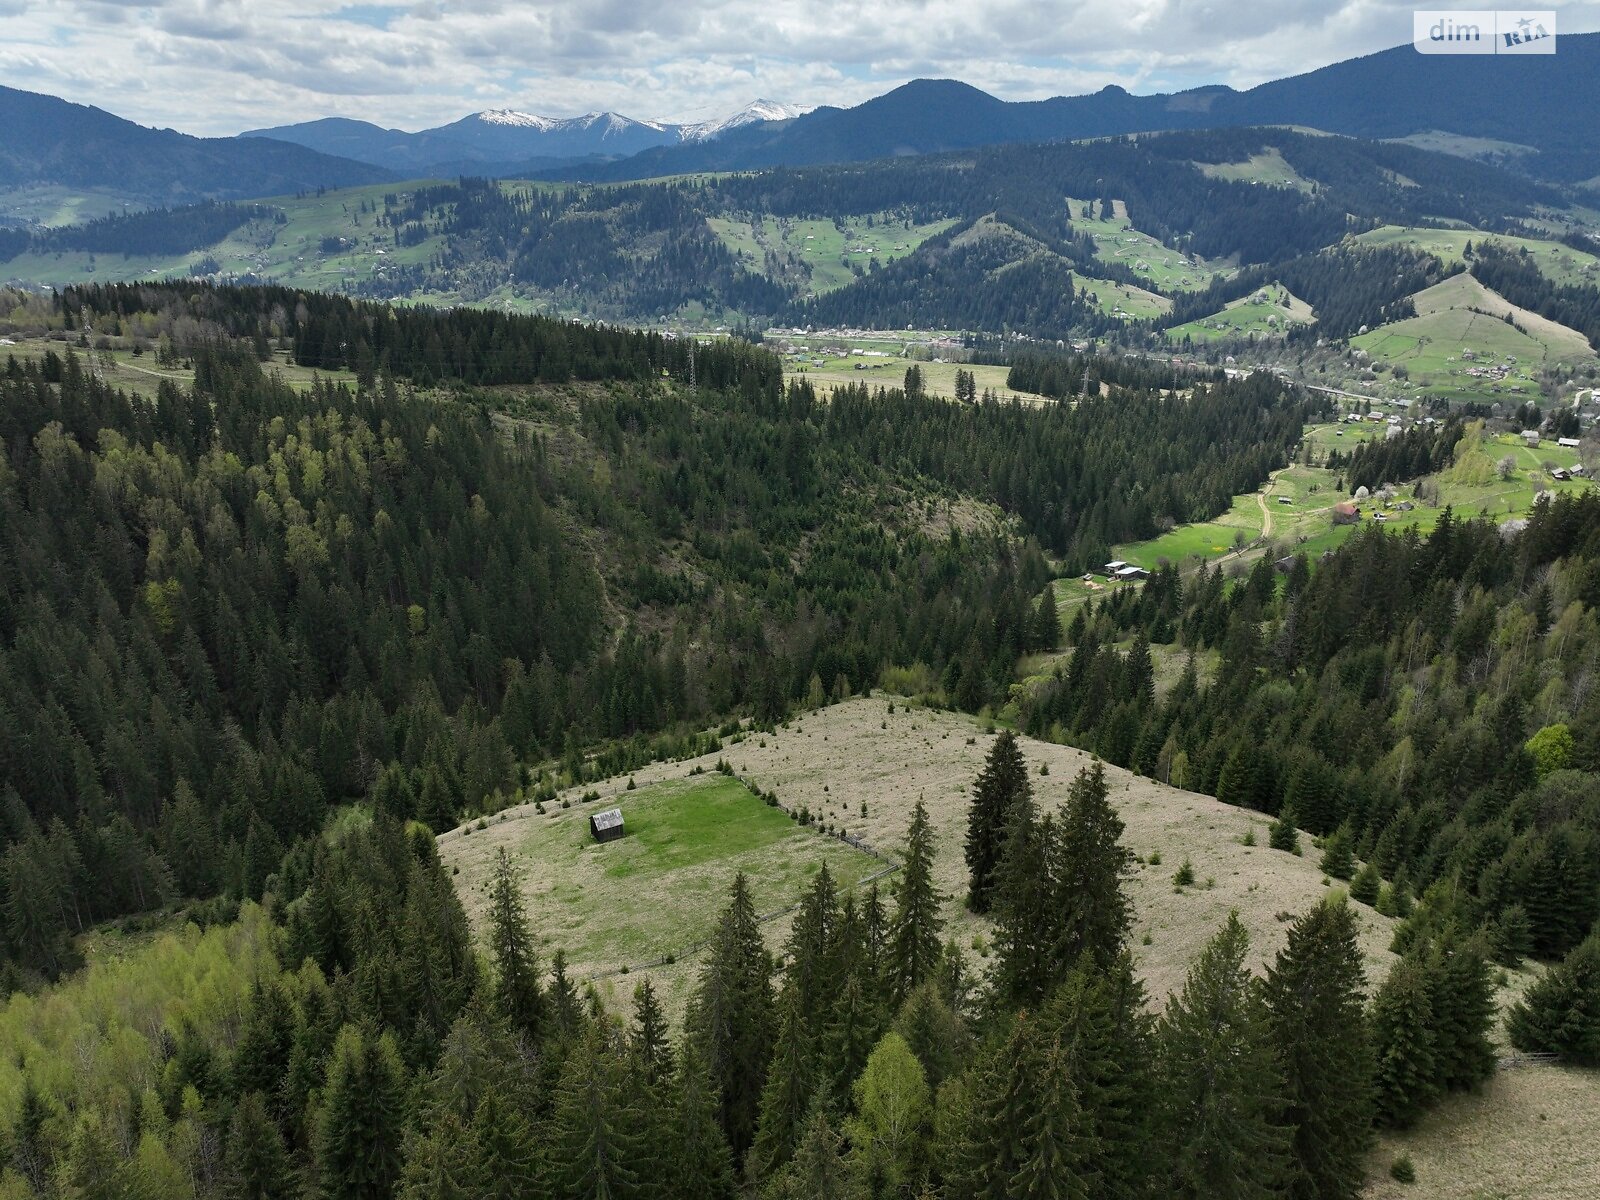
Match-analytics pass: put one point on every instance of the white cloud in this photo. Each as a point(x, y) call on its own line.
point(218, 66)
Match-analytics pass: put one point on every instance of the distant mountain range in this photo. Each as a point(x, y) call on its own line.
point(1537, 114)
point(498, 141)
point(44, 140)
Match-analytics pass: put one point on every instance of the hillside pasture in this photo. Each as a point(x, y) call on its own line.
point(1267, 312)
point(1559, 263)
point(1460, 327)
point(861, 768)
point(1117, 241)
point(1269, 168)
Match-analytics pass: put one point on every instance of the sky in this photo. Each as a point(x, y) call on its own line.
point(218, 67)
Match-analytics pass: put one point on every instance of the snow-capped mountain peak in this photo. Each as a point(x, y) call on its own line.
point(757, 110)
point(520, 120)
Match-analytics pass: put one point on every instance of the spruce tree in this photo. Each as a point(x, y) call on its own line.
point(1220, 1081)
point(1001, 785)
point(811, 950)
point(594, 1133)
point(1058, 1149)
point(1026, 927)
point(1098, 1016)
point(517, 993)
point(1402, 1036)
point(1283, 834)
point(1088, 867)
point(1366, 885)
point(1338, 853)
point(648, 1038)
point(786, 1098)
point(504, 1160)
point(256, 1166)
point(914, 944)
point(732, 1019)
point(699, 1162)
point(819, 1170)
point(361, 1119)
point(1315, 1000)
point(1561, 1013)
point(1461, 993)
point(1003, 1097)
point(1047, 620)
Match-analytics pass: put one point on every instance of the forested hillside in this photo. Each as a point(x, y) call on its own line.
point(235, 607)
point(258, 644)
point(1424, 702)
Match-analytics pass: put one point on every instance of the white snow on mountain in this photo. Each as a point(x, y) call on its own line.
point(612, 124)
point(759, 110)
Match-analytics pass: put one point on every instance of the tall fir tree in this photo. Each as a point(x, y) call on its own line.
point(255, 1167)
point(1026, 924)
point(1560, 1014)
point(647, 1039)
point(699, 1161)
point(1000, 786)
point(1314, 996)
point(819, 1170)
point(786, 1099)
point(1098, 1016)
point(1220, 1081)
point(594, 1138)
point(517, 992)
point(1058, 1149)
point(1402, 1034)
point(1461, 993)
point(362, 1118)
point(732, 1017)
point(1088, 868)
point(914, 933)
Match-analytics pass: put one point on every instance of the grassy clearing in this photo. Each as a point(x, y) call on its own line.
point(1117, 240)
point(1206, 539)
point(289, 253)
point(833, 250)
point(52, 204)
point(1559, 262)
point(840, 758)
point(938, 379)
point(1121, 300)
point(140, 375)
point(1532, 1132)
point(1269, 167)
point(658, 889)
point(1266, 312)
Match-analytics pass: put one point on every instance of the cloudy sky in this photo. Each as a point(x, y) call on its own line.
point(220, 66)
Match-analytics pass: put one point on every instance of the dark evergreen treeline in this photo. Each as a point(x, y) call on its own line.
point(1420, 700)
point(428, 346)
point(153, 231)
point(1068, 376)
point(1416, 451)
point(1087, 476)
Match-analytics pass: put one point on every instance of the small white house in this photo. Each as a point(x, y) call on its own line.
point(1569, 443)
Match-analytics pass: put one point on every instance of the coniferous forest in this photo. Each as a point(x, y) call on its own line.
point(259, 644)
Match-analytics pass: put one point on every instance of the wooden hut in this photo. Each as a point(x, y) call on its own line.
point(606, 826)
